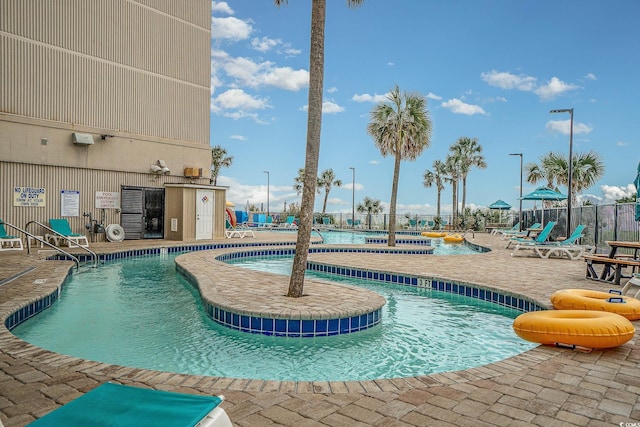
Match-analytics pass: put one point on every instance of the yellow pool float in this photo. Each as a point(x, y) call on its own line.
point(453, 238)
point(584, 328)
point(433, 234)
point(583, 299)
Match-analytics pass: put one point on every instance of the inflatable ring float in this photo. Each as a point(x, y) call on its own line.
point(433, 234)
point(585, 328)
point(582, 299)
point(114, 232)
point(453, 238)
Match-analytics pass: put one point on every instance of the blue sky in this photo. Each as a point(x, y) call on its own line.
point(490, 70)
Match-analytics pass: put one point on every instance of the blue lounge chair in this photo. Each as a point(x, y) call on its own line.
point(63, 234)
point(515, 233)
point(120, 405)
point(514, 229)
point(7, 242)
point(290, 222)
point(542, 237)
point(568, 247)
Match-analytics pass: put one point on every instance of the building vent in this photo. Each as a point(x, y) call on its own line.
point(82, 138)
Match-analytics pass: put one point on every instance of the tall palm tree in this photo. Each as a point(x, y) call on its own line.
point(370, 207)
point(314, 123)
point(219, 160)
point(327, 180)
point(587, 169)
point(298, 182)
point(452, 167)
point(470, 154)
point(436, 177)
point(401, 128)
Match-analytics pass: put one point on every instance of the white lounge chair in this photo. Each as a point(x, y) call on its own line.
point(63, 234)
point(7, 242)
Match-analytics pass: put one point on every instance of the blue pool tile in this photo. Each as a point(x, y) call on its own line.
point(256, 323)
point(281, 326)
point(308, 326)
point(334, 326)
point(321, 326)
point(344, 325)
point(267, 325)
point(294, 326)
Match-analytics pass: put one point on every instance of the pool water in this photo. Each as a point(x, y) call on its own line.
point(140, 312)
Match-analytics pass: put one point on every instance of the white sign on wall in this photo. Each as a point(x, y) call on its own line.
point(69, 203)
point(107, 200)
point(29, 196)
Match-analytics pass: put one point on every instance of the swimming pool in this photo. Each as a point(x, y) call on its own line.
point(139, 312)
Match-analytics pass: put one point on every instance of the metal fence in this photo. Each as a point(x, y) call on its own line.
point(603, 222)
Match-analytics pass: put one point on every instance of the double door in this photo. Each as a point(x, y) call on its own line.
point(142, 215)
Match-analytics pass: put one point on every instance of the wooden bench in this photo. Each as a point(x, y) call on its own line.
point(612, 267)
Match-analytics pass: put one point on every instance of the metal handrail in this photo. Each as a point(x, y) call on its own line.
point(69, 241)
point(319, 234)
point(37, 239)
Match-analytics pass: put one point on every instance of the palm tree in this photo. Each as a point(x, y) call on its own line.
point(470, 154)
point(436, 177)
point(314, 123)
point(587, 169)
point(298, 182)
point(370, 207)
point(327, 180)
point(401, 128)
point(219, 160)
point(452, 167)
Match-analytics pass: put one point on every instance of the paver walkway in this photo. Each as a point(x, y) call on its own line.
point(545, 386)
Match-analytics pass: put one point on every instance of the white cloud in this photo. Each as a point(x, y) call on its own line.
point(230, 28)
point(328, 107)
point(332, 89)
point(553, 88)
point(349, 186)
point(506, 80)
point(591, 76)
point(431, 95)
point(375, 98)
point(374, 162)
point(240, 194)
point(458, 107)
point(564, 127)
point(246, 72)
point(238, 137)
point(264, 44)
point(612, 193)
point(237, 99)
point(221, 7)
point(622, 143)
point(286, 78)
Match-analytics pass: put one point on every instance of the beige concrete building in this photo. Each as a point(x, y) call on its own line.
point(104, 111)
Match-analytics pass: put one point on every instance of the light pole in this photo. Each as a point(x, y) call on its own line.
point(353, 197)
point(570, 179)
point(267, 172)
point(520, 211)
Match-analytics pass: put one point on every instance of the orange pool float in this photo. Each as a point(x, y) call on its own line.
point(584, 328)
point(583, 299)
point(433, 234)
point(453, 238)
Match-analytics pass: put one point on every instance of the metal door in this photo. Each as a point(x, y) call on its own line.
point(142, 215)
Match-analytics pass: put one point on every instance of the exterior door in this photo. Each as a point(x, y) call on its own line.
point(142, 215)
point(204, 215)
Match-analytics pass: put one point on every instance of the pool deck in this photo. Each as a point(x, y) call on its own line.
point(545, 386)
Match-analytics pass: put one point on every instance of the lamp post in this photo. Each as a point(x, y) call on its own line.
point(267, 172)
point(353, 196)
point(570, 178)
point(520, 211)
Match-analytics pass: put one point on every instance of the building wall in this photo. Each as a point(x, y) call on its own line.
point(136, 72)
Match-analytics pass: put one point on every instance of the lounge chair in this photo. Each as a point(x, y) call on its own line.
point(121, 405)
point(240, 231)
point(496, 231)
point(7, 242)
point(326, 221)
point(524, 243)
point(505, 235)
point(63, 234)
point(633, 282)
point(290, 222)
point(567, 247)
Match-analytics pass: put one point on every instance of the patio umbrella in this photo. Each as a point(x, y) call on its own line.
point(544, 193)
point(500, 205)
point(637, 183)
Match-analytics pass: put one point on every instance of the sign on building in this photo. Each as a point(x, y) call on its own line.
point(107, 200)
point(70, 203)
point(29, 196)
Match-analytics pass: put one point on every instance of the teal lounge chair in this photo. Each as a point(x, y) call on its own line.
point(290, 222)
point(121, 405)
point(7, 242)
point(515, 233)
point(524, 243)
point(567, 247)
point(514, 229)
point(63, 234)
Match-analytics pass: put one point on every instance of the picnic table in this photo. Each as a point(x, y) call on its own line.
point(613, 264)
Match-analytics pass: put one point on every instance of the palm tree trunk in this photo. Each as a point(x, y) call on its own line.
point(464, 193)
point(314, 123)
point(438, 208)
point(394, 197)
point(324, 205)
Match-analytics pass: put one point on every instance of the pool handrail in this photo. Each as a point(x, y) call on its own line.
point(84, 248)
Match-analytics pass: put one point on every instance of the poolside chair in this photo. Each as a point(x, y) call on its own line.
point(7, 242)
point(112, 404)
point(566, 247)
point(240, 231)
point(61, 230)
point(496, 231)
point(505, 235)
point(290, 222)
point(524, 243)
